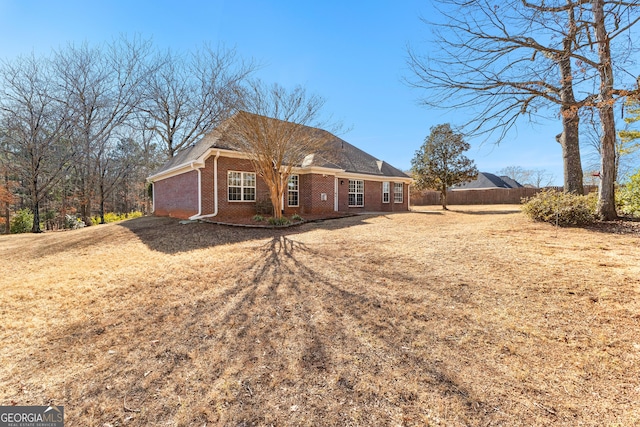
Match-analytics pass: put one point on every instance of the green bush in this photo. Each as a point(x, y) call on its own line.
point(258, 218)
point(565, 209)
point(296, 217)
point(628, 196)
point(278, 221)
point(22, 221)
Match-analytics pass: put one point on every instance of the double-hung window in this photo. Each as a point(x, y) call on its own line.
point(242, 186)
point(293, 197)
point(356, 193)
point(385, 192)
point(397, 192)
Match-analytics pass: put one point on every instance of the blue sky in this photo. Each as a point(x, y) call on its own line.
point(353, 53)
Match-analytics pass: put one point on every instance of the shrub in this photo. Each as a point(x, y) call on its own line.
point(73, 223)
point(628, 196)
point(296, 217)
point(565, 209)
point(22, 221)
point(113, 217)
point(258, 218)
point(278, 221)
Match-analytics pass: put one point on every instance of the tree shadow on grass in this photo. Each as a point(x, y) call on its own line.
point(292, 333)
point(168, 235)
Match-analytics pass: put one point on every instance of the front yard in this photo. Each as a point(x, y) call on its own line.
point(474, 316)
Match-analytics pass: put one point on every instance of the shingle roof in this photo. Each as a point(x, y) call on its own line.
point(338, 154)
point(510, 181)
point(488, 180)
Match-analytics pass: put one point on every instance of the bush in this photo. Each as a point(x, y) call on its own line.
point(278, 221)
point(113, 217)
point(565, 209)
point(628, 197)
point(73, 223)
point(296, 217)
point(258, 218)
point(22, 221)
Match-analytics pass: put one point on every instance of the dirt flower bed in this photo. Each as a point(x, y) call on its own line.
point(471, 317)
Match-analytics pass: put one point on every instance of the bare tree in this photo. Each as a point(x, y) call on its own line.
point(103, 86)
point(517, 173)
point(277, 133)
point(186, 98)
point(37, 128)
point(146, 157)
point(625, 150)
point(6, 196)
point(607, 23)
point(541, 178)
point(503, 62)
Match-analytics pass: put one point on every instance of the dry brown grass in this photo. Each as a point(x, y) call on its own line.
point(469, 317)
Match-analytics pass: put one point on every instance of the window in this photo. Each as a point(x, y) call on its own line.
point(397, 192)
point(242, 186)
point(385, 192)
point(356, 192)
point(294, 190)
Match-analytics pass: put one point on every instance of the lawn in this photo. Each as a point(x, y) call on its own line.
point(472, 317)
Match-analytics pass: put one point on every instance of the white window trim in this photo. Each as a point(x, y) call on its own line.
point(395, 193)
point(242, 187)
point(297, 190)
point(356, 193)
point(386, 193)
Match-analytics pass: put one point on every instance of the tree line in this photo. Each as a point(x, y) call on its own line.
point(82, 127)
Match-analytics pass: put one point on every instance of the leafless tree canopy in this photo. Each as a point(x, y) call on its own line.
point(278, 130)
point(37, 128)
point(187, 96)
point(500, 62)
point(81, 128)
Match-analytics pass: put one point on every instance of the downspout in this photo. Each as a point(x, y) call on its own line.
point(215, 191)
point(199, 194)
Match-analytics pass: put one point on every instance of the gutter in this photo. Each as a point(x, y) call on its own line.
point(215, 191)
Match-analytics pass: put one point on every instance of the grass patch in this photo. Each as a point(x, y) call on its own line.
point(475, 316)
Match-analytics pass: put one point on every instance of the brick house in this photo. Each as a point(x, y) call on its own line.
point(212, 179)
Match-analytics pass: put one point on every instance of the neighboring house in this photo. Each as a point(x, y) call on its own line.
point(486, 181)
point(211, 178)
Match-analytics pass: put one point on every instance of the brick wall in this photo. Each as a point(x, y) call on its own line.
point(312, 186)
point(228, 208)
point(177, 196)
point(372, 198)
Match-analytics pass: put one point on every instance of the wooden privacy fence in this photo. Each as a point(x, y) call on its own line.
point(492, 196)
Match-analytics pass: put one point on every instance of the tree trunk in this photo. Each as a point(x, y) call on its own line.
point(101, 203)
point(443, 197)
point(276, 195)
point(35, 228)
point(570, 143)
point(7, 211)
point(569, 138)
point(606, 195)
